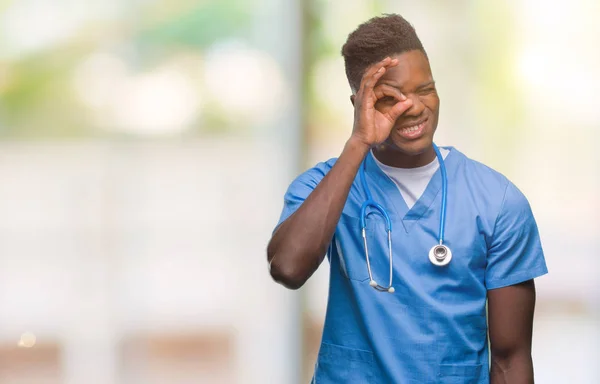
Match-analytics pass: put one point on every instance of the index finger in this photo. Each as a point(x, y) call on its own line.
point(375, 71)
point(384, 90)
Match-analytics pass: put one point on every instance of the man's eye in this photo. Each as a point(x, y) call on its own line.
point(387, 99)
point(426, 91)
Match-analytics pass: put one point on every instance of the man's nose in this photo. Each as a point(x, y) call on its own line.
point(417, 106)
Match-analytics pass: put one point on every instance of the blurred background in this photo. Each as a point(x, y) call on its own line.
point(145, 147)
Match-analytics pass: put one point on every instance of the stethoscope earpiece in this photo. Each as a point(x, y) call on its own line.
point(378, 287)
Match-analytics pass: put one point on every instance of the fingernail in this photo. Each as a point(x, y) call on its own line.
point(402, 97)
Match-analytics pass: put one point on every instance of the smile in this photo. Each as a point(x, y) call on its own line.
point(414, 130)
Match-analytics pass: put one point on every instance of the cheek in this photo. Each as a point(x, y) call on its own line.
point(432, 103)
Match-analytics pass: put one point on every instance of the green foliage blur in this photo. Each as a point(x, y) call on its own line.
point(37, 97)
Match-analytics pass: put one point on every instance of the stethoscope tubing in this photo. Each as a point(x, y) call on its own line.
point(439, 255)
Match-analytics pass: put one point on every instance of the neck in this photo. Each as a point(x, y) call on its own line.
point(397, 159)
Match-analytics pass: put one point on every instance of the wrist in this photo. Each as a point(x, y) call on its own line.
point(356, 144)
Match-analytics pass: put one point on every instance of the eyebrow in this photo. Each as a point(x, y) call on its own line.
point(419, 87)
point(425, 85)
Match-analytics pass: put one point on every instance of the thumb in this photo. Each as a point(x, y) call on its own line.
point(399, 108)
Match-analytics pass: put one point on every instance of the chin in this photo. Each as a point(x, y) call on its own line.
point(411, 148)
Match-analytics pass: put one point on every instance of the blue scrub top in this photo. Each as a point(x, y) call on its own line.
point(433, 329)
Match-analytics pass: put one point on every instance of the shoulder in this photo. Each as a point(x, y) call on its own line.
point(323, 167)
point(478, 171)
point(308, 180)
point(317, 172)
point(492, 183)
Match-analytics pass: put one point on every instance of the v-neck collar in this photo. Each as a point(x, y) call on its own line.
point(386, 192)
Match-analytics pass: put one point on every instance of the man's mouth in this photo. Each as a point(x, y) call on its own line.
point(413, 131)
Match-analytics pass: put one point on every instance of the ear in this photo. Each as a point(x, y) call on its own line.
point(352, 97)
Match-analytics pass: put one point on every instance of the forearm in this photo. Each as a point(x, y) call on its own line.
point(515, 368)
point(300, 243)
point(510, 322)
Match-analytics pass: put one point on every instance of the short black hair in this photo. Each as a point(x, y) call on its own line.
point(375, 40)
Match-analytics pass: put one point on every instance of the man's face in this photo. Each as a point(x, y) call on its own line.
point(413, 131)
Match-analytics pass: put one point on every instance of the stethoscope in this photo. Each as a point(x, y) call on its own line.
point(439, 254)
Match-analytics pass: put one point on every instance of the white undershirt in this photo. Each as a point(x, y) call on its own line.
point(412, 181)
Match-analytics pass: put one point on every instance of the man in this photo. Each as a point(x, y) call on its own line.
point(429, 324)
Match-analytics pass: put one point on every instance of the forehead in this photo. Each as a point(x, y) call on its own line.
point(412, 70)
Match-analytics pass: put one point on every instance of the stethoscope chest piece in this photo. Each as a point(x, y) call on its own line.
point(440, 255)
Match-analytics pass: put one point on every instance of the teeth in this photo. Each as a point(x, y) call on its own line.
point(413, 128)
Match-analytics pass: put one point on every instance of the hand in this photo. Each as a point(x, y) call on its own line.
point(371, 126)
